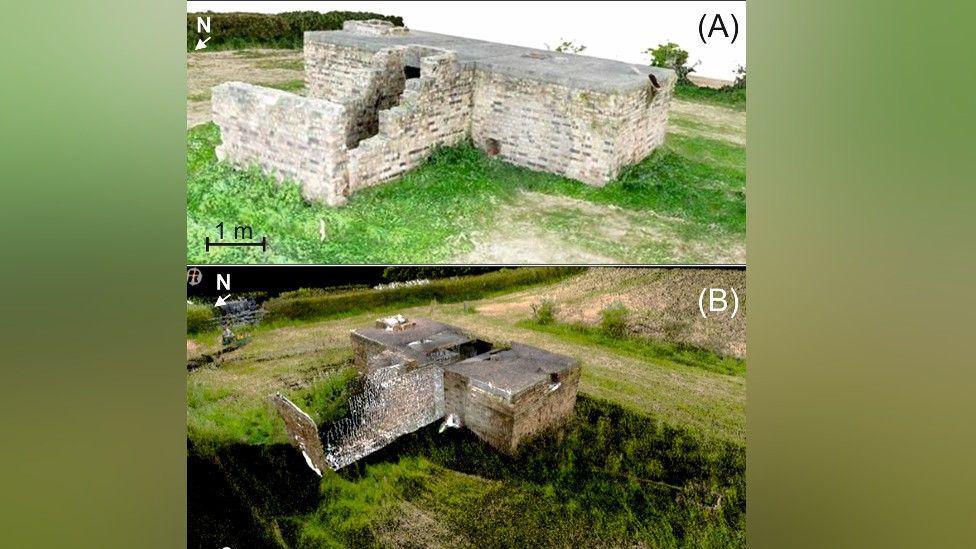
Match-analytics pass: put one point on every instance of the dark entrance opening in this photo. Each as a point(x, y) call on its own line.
point(493, 147)
point(411, 72)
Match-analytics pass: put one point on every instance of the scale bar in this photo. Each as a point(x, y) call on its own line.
point(263, 243)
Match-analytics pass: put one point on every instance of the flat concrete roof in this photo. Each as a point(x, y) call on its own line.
point(420, 340)
point(507, 372)
point(566, 69)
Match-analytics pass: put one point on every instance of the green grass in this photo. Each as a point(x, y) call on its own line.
point(293, 86)
point(609, 477)
point(726, 96)
point(317, 304)
point(215, 418)
point(257, 54)
point(287, 85)
point(219, 416)
point(200, 318)
point(664, 353)
point(429, 214)
point(289, 64)
point(202, 96)
point(322, 306)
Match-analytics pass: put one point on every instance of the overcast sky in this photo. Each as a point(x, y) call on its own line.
point(614, 30)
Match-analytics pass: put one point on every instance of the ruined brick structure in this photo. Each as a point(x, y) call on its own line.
point(380, 98)
point(416, 372)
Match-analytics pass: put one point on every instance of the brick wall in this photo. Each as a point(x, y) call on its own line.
point(546, 127)
point(363, 122)
point(363, 82)
point(434, 110)
point(643, 121)
point(290, 137)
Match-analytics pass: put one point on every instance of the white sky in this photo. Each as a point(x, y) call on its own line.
point(614, 30)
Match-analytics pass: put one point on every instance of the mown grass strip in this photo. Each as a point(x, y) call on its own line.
point(666, 353)
point(726, 96)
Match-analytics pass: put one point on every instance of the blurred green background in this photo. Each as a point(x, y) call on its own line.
point(860, 407)
point(92, 397)
point(860, 261)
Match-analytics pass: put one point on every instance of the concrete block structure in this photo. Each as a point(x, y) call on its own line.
point(507, 395)
point(416, 372)
point(380, 98)
point(415, 343)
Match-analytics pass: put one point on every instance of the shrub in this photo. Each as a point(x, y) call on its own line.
point(545, 311)
point(199, 318)
point(284, 30)
point(740, 78)
point(671, 56)
point(568, 46)
point(613, 319)
point(445, 290)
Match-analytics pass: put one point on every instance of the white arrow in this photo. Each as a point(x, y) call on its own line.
point(221, 301)
point(202, 43)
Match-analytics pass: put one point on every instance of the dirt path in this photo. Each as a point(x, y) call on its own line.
point(205, 70)
point(536, 228)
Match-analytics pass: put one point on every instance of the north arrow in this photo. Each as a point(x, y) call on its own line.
point(202, 43)
point(221, 301)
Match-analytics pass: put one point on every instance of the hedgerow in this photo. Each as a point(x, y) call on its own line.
point(238, 30)
point(199, 318)
point(448, 290)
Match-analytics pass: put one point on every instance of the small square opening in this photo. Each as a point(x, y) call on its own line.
point(411, 72)
point(493, 147)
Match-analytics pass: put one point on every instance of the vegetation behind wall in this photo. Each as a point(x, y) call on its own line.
point(238, 30)
point(448, 290)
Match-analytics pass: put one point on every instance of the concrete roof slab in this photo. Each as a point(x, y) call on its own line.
point(565, 69)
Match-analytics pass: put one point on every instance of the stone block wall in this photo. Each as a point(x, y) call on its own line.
point(434, 110)
point(302, 433)
point(487, 414)
point(289, 136)
point(363, 351)
point(505, 422)
point(544, 406)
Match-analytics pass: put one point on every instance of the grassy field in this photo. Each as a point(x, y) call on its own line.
point(664, 354)
point(685, 203)
point(653, 456)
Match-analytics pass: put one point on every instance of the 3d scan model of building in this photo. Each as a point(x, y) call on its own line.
point(380, 98)
point(416, 372)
